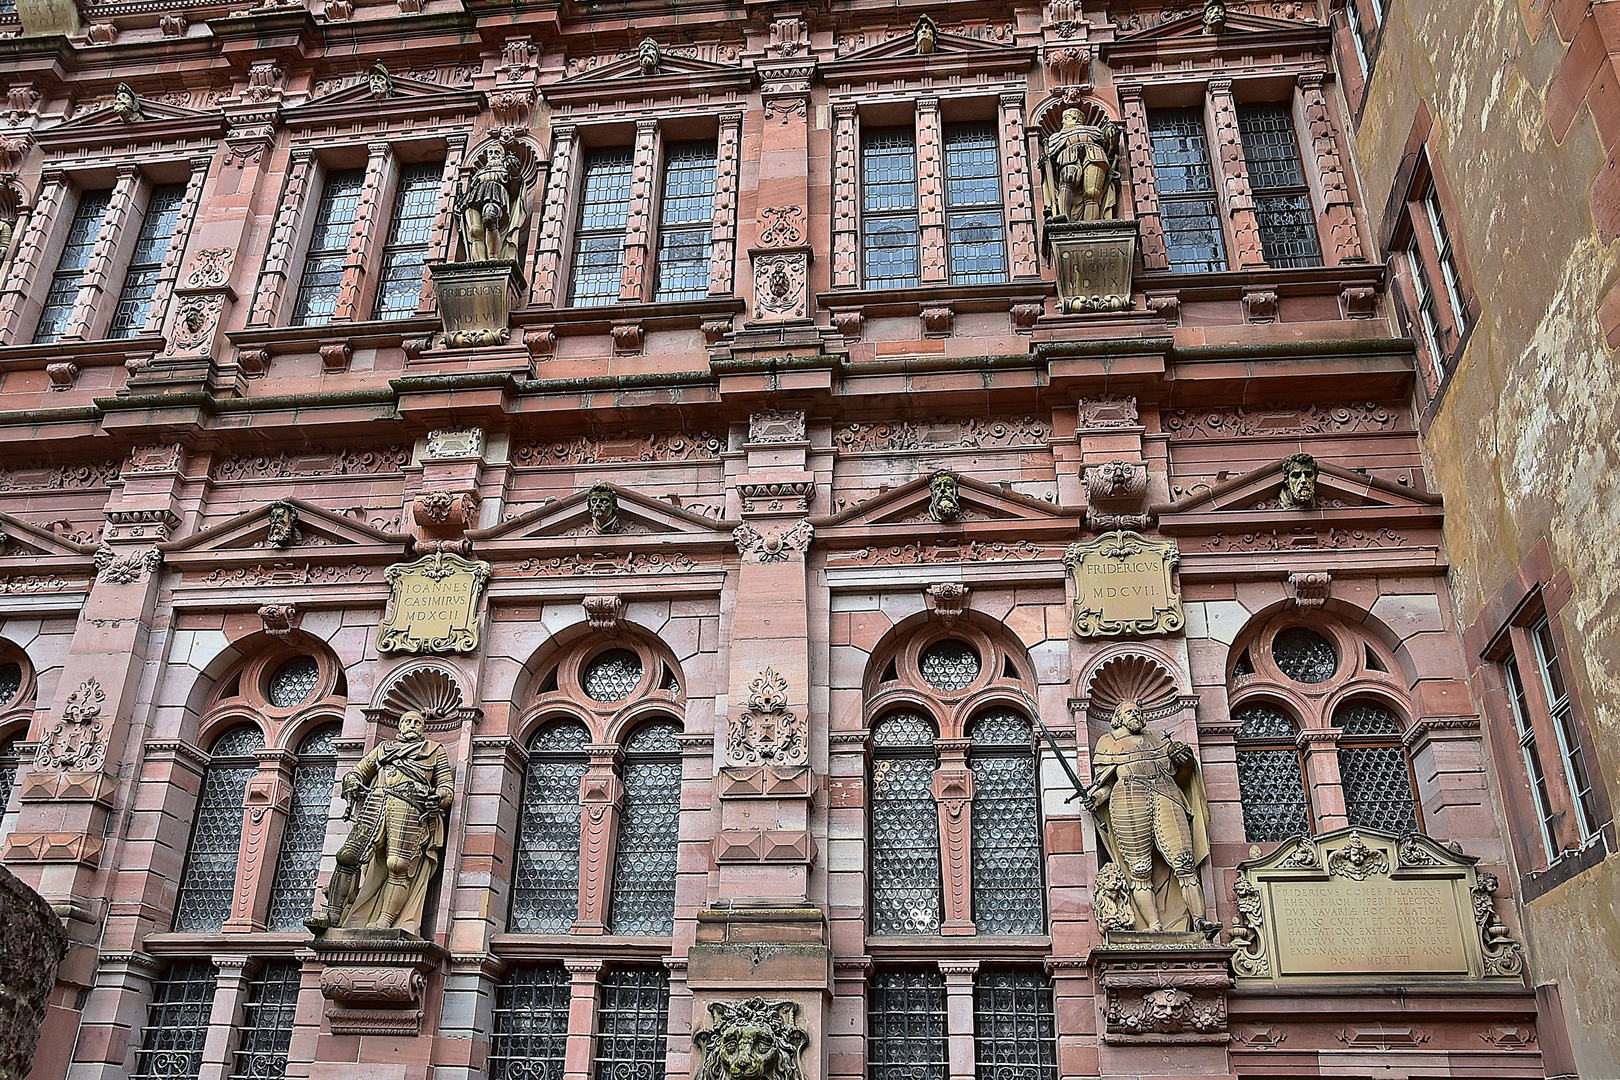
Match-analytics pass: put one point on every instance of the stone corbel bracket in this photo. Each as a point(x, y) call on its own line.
point(1158, 997)
point(373, 980)
point(604, 613)
point(947, 600)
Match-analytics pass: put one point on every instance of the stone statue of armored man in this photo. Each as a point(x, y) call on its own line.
point(398, 797)
point(1153, 821)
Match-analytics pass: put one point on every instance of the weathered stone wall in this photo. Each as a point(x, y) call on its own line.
point(31, 945)
point(1522, 441)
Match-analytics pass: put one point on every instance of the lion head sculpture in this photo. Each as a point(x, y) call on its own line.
point(752, 1039)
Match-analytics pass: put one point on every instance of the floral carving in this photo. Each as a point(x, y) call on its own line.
point(768, 732)
point(772, 546)
point(913, 554)
point(285, 573)
point(604, 613)
point(1337, 539)
point(279, 620)
point(1169, 1010)
point(76, 742)
point(455, 442)
point(991, 432)
point(784, 226)
point(115, 569)
point(679, 446)
point(590, 565)
point(194, 323)
point(779, 286)
point(1280, 420)
point(317, 461)
point(211, 269)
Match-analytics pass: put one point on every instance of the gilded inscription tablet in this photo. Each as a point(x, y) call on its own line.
point(433, 605)
point(1123, 585)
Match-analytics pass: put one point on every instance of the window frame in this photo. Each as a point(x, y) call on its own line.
point(1216, 196)
point(868, 216)
point(1432, 282)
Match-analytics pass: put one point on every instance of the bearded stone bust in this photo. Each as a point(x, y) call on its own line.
point(944, 497)
point(1299, 482)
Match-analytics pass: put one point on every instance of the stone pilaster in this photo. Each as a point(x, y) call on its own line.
point(371, 217)
point(31, 265)
point(1321, 752)
point(174, 258)
point(265, 805)
point(727, 177)
point(601, 797)
point(115, 1014)
point(1338, 211)
point(953, 794)
point(1139, 177)
point(100, 272)
point(296, 193)
point(638, 232)
point(553, 230)
point(1232, 177)
point(587, 979)
point(846, 267)
point(931, 191)
point(1017, 182)
point(443, 238)
point(959, 1017)
point(230, 995)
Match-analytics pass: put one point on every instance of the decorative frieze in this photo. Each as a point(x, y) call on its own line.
point(316, 461)
point(972, 433)
point(587, 450)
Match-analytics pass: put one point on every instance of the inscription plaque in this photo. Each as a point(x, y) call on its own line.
point(1123, 585)
point(1367, 906)
point(433, 605)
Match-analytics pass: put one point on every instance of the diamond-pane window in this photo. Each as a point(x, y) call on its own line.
point(1186, 183)
point(531, 1024)
point(643, 900)
point(1304, 655)
point(633, 1025)
point(949, 665)
point(176, 1023)
point(324, 264)
point(267, 1023)
point(612, 676)
point(10, 764)
point(71, 265)
point(292, 891)
point(906, 875)
point(545, 881)
point(294, 682)
point(1014, 1025)
point(1006, 826)
point(905, 1026)
point(686, 226)
point(11, 677)
point(209, 880)
point(1373, 768)
point(1363, 717)
point(1271, 777)
point(146, 260)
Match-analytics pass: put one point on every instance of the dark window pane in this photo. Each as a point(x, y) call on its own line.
point(686, 227)
point(599, 243)
point(531, 1025)
point(416, 205)
point(146, 260)
point(643, 900)
point(328, 248)
point(1263, 722)
point(1288, 230)
point(64, 290)
point(1006, 834)
point(1187, 206)
point(906, 876)
point(292, 893)
point(905, 1026)
point(1269, 147)
point(1272, 789)
point(267, 1023)
point(1378, 788)
point(1364, 717)
point(1014, 1025)
point(633, 1025)
point(209, 882)
point(545, 884)
point(977, 240)
point(176, 1023)
point(1304, 655)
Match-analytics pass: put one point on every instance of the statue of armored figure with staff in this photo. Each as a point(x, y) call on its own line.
point(398, 797)
point(1080, 170)
point(490, 201)
point(1153, 821)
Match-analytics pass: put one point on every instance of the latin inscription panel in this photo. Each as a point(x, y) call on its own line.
point(1371, 927)
point(1123, 585)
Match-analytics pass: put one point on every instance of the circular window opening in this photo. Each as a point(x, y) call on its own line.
point(949, 665)
point(1305, 656)
point(10, 683)
point(612, 676)
point(294, 682)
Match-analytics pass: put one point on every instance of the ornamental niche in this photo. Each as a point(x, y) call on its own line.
point(753, 1039)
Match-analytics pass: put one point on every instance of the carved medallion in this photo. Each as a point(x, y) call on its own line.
point(433, 605)
point(1124, 585)
point(757, 1038)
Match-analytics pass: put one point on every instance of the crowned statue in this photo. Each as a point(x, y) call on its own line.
point(1153, 822)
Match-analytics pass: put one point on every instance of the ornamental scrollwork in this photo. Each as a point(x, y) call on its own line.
point(1503, 955)
point(766, 547)
point(76, 743)
point(115, 569)
point(768, 732)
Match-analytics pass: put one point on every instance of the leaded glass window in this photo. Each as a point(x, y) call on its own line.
point(328, 248)
point(1304, 655)
point(890, 237)
point(686, 224)
point(545, 882)
point(267, 1023)
point(294, 681)
point(1186, 183)
point(531, 1024)
point(1271, 778)
point(209, 881)
point(906, 877)
point(1534, 771)
point(643, 899)
point(416, 205)
point(1282, 199)
point(977, 235)
point(176, 1023)
point(11, 679)
point(1373, 769)
point(949, 665)
point(604, 216)
point(1563, 718)
point(633, 1025)
point(612, 676)
point(1007, 878)
point(70, 268)
point(158, 225)
point(10, 763)
point(1014, 1025)
point(292, 891)
point(905, 1026)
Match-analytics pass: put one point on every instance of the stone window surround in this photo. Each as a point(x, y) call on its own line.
point(1538, 588)
point(952, 714)
point(1315, 132)
point(16, 713)
point(559, 209)
point(602, 788)
point(1312, 707)
point(927, 115)
point(1358, 51)
point(23, 296)
point(308, 165)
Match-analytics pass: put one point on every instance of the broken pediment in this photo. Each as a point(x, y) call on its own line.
point(1258, 497)
point(18, 538)
point(922, 506)
point(286, 525)
point(614, 512)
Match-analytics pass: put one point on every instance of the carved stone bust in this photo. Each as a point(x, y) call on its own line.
point(603, 503)
point(944, 497)
point(283, 532)
point(649, 56)
point(126, 104)
point(1299, 482)
point(379, 81)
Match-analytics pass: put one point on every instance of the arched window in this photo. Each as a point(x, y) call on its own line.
point(545, 881)
point(906, 881)
point(1271, 776)
point(1007, 878)
point(1373, 768)
point(10, 765)
point(16, 705)
point(209, 881)
point(643, 899)
point(292, 892)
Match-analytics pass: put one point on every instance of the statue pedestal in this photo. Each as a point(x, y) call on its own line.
point(373, 980)
point(1161, 988)
point(1093, 261)
point(476, 300)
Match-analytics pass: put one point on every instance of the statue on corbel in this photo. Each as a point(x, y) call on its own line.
point(1092, 248)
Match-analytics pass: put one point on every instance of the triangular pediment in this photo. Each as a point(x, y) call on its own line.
point(903, 46)
point(1254, 499)
point(980, 503)
point(313, 530)
point(569, 519)
point(670, 68)
point(18, 538)
point(1237, 24)
point(401, 90)
point(157, 121)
